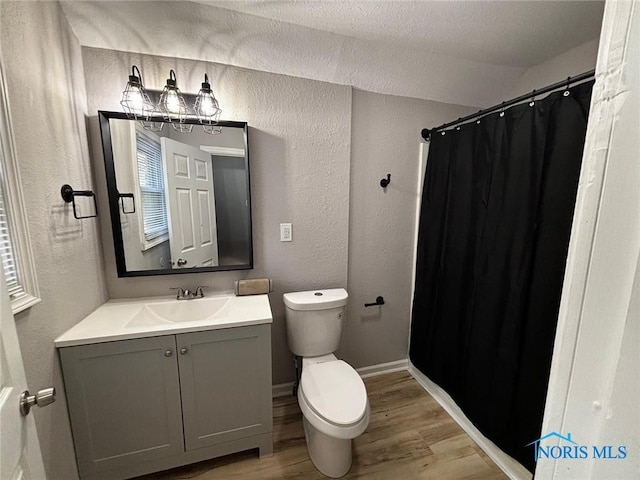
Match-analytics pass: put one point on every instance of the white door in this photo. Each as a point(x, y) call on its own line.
point(20, 456)
point(192, 213)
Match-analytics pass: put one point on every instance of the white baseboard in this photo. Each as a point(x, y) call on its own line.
point(382, 368)
point(508, 465)
point(284, 389)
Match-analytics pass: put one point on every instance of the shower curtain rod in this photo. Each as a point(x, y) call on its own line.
point(426, 133)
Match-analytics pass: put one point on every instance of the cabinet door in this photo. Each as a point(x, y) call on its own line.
point(124, 402)
point(225, 379)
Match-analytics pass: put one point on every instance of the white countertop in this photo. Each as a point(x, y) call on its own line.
point(109, 322)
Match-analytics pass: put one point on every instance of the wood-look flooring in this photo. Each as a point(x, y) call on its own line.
point(409, 437)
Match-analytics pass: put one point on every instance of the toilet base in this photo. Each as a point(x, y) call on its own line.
point(331, 456)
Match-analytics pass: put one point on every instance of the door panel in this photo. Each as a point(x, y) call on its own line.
point(204, 202)
point(226, 384)
point(124, 402)
point(184, 225)
point(180, 165)
point(201, 170)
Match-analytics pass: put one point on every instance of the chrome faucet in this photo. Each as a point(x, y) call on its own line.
point(186, 294)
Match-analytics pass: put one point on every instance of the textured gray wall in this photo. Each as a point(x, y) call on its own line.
point(299, 143)
point(43, 69)
point(385, 138)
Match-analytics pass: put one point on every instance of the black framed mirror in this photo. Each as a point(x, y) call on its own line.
point(180, 201)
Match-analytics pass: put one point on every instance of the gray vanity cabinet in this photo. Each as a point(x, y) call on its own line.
point(145, 405)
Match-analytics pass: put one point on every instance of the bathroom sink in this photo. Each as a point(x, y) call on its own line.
point(129, 318)
point(180, 311)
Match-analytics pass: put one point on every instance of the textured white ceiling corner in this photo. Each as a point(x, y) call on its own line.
point(577, 60)
point(510, 33)
point(467, 53)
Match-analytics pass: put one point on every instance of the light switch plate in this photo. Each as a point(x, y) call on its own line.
point(286, 234)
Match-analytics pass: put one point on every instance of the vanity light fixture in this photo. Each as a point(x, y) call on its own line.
point(173, 106)
point(135, 100)
point(207, 108)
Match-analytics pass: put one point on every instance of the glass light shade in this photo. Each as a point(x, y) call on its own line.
point(152, 126)
point(172, 104)
point(182, 127)
point(135, 100)
point(212, 129)
point(206, 107)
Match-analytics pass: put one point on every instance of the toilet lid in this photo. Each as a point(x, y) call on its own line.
point(335, 391)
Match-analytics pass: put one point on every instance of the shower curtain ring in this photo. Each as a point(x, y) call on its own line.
point(566, 89)
point(502, 109)
point(533, 98)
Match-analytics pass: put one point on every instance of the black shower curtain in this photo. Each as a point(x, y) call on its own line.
point(496, 216)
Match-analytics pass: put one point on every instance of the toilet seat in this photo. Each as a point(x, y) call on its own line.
point(335, 392)
point(333, 398)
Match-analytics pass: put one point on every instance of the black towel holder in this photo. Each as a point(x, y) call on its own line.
point(121, 196)
point(69, 195)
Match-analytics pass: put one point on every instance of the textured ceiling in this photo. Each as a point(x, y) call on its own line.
point(510, 33)
point(467, 53)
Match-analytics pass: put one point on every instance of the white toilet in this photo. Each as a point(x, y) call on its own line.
point(331, 394)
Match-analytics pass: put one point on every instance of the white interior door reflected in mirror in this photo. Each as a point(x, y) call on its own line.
point(191, 205)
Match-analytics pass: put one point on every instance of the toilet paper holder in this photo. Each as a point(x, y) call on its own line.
point(379, 301)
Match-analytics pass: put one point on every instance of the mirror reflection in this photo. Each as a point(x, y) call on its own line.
point(182, 199)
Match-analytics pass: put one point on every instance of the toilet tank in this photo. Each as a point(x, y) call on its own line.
point(314, 321)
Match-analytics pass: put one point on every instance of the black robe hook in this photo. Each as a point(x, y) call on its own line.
point(385, 181)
